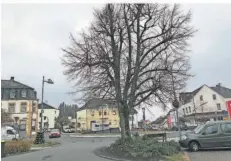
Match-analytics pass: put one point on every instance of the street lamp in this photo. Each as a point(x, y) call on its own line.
point(143, 109)
point(49, 81)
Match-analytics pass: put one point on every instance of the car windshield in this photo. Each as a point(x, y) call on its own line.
point(198, 129)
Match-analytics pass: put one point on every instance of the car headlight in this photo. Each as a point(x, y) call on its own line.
point(184, 137)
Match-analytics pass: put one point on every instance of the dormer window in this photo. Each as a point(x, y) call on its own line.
point(23, 93)
point(12, 93)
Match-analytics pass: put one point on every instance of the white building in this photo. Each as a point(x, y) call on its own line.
point(205, 103)
point(49, 115)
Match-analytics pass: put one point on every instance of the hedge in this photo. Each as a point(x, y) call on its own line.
point(13, 147)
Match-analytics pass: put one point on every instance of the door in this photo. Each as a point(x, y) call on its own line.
point(210, 136)
point(226, 134)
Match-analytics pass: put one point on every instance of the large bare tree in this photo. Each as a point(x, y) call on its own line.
point(132, 53)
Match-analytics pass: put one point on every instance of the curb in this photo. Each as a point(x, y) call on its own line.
point(107, 157)
point(91, 136)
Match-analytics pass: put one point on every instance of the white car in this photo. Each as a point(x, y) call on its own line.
point(9, 133)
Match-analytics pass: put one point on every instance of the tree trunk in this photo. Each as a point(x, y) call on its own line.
point(122, 123)
point(126, 121)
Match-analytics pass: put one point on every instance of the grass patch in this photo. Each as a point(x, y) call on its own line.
point(144, 148)
point(175, 157)
point(46, 144)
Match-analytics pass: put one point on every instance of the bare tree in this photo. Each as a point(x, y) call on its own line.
point(131, 53)
point(5, 117)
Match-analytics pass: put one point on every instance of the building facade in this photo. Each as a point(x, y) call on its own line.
point(21, 102)
point(205, 103)
point(100, 111)
point(50, 114)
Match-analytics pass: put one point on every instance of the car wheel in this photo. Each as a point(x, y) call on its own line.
point(194, 146)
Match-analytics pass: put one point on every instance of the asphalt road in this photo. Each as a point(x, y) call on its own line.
point(211, 155)
point(71, 149)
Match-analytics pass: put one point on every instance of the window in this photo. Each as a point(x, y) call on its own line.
point(100, 113)
point(11, 108)
point(212, 129)
point(45, 117)
point(92, 112)
point(33, 109)
point(33, 125)
point(115, 122)
point(189, 108)
point(23, 93)
point(22, 125)
point(218, 106)
point(214, 97)
point(105, 113)
point(23, 108)
point(40, 114)
point(226, 128)
point(12, 93)
point(201, 97)
point(186, 110)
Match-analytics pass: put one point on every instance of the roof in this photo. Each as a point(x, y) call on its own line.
point(223, 91)
point(13, 84)
point(95, 103)
point(187, 96)
point(46, 106)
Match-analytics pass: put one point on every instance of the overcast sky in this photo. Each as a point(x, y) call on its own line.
point(33, 35)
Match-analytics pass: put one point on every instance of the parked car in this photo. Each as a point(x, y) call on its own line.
point(216, 134)
point(9, 133)
point(55, 133)
point(182, 127)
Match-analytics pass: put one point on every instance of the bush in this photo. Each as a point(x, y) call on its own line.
point(144, 147)
point(12, 147)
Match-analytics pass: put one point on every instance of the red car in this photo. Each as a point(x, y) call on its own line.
point(55, 133)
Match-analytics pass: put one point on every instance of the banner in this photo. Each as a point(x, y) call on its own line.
point(228, 104)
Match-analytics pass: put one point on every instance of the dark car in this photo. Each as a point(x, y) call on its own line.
point(182, 127)
point(55, 133)
point(216, 134)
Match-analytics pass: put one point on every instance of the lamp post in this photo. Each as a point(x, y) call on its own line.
point(49, 81)
point(143, 109)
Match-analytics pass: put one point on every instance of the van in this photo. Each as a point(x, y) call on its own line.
point(215, 134)
point(9, 133)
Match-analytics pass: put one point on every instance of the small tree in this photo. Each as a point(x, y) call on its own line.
point(61, 121)
point(5, 117)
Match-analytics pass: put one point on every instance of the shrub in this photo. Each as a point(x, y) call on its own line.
point(12, 147)
point(144, 147)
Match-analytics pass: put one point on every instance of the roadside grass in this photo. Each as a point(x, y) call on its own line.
point(177, 157)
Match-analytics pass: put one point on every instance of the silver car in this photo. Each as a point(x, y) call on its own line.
point(216, 134)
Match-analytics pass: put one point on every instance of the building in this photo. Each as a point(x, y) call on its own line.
point(100, 111)
point(50, 114)
point(21, 102)
point(205, 103)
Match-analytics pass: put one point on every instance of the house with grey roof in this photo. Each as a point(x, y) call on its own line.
point(205, 103)
point(20, 100)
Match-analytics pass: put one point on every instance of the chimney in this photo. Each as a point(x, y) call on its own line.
point(218, 85)
point(12, 78)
